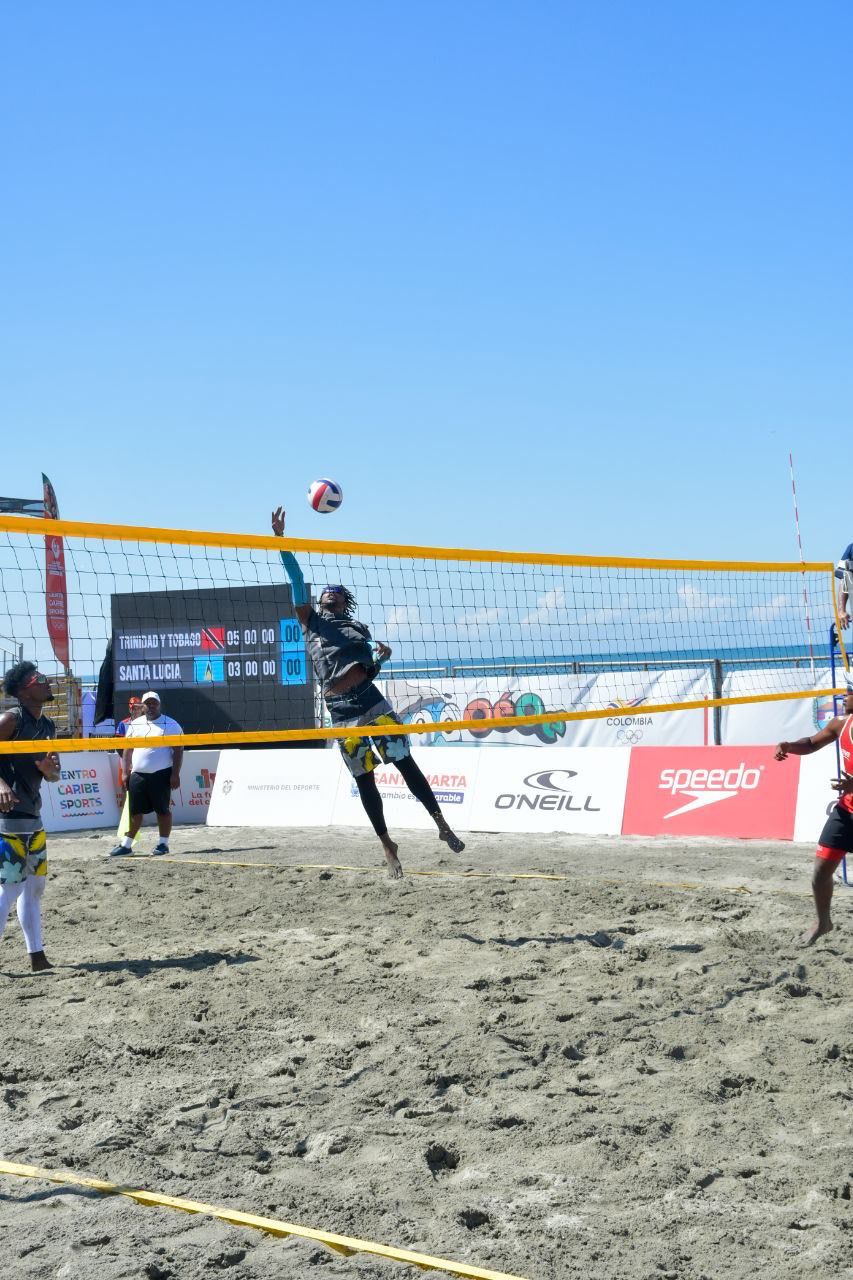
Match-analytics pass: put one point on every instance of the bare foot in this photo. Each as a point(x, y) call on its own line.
point(451, 839)
point(39, 962)
point(816, 931)
point(395, 869)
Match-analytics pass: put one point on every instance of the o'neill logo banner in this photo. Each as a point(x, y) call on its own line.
point(573, 790)
point(56, 593)
point(713, 791)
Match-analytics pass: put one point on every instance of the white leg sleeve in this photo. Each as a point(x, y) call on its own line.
point(9, 895)
point(29, 912)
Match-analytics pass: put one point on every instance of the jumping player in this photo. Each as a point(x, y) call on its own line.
point(345, 666)
point(23, 844)
point(836, 838)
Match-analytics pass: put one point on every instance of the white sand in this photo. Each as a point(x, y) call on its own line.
point(596, 1077)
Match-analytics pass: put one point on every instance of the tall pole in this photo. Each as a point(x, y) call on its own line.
point(806, 606)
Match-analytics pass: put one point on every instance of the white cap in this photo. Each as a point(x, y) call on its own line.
point(150, 694)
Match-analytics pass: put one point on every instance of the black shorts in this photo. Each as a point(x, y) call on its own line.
point(838, 831)
point(150, 792)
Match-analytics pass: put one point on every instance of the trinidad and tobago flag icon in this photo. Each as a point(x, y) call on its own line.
point(213, 638)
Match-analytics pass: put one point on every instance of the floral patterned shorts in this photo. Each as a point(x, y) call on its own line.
point(362, 755)
point(21, 856)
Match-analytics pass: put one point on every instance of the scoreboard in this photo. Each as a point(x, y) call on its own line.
point(222, 658)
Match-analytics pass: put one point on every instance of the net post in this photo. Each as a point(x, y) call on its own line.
point(717, 692)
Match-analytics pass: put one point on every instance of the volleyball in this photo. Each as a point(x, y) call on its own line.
point(325, 496)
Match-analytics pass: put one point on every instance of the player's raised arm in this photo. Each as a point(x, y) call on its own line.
point(806, 746)
point(301, 603)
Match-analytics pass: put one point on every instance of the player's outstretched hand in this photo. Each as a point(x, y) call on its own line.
point(781, 751)
point(844, 786)
point(278, 522)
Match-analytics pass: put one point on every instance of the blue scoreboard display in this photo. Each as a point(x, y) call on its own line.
point(234, 654)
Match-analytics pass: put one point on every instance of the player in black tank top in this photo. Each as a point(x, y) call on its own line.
point(23, 857)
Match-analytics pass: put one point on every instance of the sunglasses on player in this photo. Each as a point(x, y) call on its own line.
point(333, 591)
point(35, 678)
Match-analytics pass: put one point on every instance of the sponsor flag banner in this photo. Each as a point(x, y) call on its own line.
point(441, 700)
point(730, 792)
point(773, 722)
point(56, 593)
point(274, 788)
point(575, 791)
point(815, 797)
point(452, 774)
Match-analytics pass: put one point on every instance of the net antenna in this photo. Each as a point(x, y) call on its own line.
point(806, 604)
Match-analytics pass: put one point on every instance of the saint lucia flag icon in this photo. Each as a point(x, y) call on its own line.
point(209, 668)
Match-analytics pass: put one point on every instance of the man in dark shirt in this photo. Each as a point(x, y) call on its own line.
point(23, 844)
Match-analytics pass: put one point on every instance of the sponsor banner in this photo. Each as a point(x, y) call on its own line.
point(441, 700)
point(719, 791)
point(773, 722)
point(569, 790)
point(84, 796)
point(815, 797)
point(274, 788)
point(191, 801)
point(452, 774)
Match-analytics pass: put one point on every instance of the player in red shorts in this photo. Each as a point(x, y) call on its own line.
point(836, 839)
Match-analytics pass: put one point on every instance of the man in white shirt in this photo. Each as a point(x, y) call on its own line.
point(152, 773)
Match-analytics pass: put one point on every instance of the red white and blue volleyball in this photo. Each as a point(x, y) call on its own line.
point(325, 496)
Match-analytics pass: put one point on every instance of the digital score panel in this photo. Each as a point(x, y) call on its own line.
point(232, 655)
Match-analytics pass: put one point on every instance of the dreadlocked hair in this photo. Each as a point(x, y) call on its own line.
point(349, 603)
point(16, 676)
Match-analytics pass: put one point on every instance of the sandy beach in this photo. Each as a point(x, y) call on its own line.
point(631, 1071)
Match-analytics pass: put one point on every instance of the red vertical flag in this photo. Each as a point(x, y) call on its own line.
point(56, 593)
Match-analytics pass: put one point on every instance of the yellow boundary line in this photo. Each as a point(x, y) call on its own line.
point(273, 736)
point(339, 1244)
point(450, 875)
point(268, 542)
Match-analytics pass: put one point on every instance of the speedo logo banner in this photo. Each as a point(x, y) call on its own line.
point(716, 791)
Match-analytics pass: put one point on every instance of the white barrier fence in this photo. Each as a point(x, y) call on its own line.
point(724, 792)
point(679, 788)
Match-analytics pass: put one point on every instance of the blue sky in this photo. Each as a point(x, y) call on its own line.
point(558, 276)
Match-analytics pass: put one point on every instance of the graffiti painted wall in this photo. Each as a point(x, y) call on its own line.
point(443, 700)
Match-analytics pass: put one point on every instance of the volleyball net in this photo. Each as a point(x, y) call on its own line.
point(207, 622)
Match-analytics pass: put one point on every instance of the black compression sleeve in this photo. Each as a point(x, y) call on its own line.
point(417, 784)
point(372, 801)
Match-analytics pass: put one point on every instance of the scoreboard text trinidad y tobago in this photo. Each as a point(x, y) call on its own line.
point(231, 647)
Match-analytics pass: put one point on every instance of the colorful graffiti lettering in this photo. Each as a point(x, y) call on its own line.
point(431, 707)
point(505, 708)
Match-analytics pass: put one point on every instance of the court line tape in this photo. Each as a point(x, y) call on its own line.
point(449, 875)
point(346, 1245)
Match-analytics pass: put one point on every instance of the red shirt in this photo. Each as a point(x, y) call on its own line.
point(845, 742)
